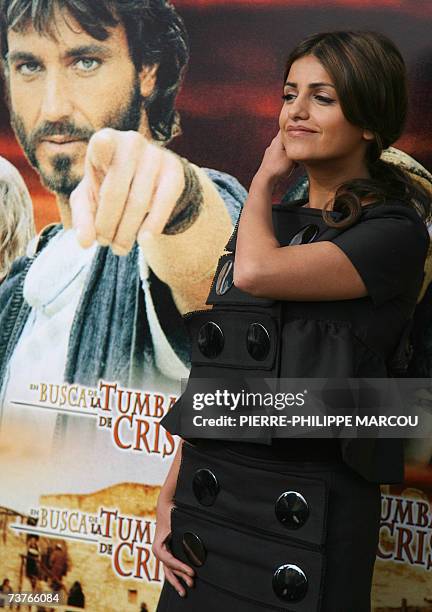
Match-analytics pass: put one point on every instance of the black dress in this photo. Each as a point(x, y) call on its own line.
point(293, 524)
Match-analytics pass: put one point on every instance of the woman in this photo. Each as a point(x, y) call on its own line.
point(323, 288)
point(16, 216)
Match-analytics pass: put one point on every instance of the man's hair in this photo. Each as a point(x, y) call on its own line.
point(155, 33)
point(16, 216)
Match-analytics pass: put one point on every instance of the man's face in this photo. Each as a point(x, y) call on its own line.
point(65, 87)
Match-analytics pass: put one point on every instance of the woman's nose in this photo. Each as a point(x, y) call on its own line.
point(298, 109)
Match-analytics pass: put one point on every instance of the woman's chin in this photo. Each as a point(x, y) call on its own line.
point(301, 159)
point(298, 154)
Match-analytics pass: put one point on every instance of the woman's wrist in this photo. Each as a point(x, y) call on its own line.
point(266, 178)
point(165, 497)
point(166, 494)
point(264, 181)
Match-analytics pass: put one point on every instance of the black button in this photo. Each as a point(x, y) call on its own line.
point(257, 341)
point(292, 510)
point(225, 278)
point(205, 486)
point(210, 339)
point(194, 549)
point(305, 235)
point(290, 582)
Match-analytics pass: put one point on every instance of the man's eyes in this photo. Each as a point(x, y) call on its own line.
point(87, 64)
point(83, 64)
point(28, 68)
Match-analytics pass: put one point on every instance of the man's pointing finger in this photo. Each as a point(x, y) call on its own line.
point(99, 156)
point(83, 208)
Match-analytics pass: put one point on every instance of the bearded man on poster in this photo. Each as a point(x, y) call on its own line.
point(91, 88)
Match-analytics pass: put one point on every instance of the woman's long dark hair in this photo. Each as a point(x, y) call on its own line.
point(370, 78)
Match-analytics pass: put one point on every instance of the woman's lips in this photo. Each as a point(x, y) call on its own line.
point(294, 132)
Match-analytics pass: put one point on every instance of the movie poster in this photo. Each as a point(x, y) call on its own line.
point(82, 453)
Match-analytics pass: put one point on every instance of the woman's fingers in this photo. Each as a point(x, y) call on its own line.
point(174, 581)
point(189, 581)
point(173, 567)
point(277, 140)
point(168, 559)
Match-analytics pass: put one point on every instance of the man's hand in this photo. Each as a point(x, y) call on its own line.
point(130, 187)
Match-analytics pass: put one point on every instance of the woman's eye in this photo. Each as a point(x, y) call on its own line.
point(29, 68)
point(87, 64)
point(288, 97)
point(324, 99)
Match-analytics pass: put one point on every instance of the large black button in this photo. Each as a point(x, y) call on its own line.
point(225, 278)
point(194, 548)
point(305, 235)
point(290, 582)
point(257, 341)
point(292, 509)
point(205, 486)
point(210, 339)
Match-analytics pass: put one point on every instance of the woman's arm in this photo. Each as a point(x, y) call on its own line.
point(172, 566)
point(256, 216)
point(317, 271)
point(168, 488)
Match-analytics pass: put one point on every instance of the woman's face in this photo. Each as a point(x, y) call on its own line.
point(312, 124)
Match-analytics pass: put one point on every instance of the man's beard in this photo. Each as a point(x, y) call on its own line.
point(62, 180)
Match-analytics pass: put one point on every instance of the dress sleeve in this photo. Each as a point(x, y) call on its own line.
point(388, 247)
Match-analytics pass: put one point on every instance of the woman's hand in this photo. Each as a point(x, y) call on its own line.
point(275, 163)
point(172, 566)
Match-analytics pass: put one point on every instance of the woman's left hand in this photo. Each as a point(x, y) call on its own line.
point(275, 163)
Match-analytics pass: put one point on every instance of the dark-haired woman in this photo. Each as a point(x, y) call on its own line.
point(323, 288)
